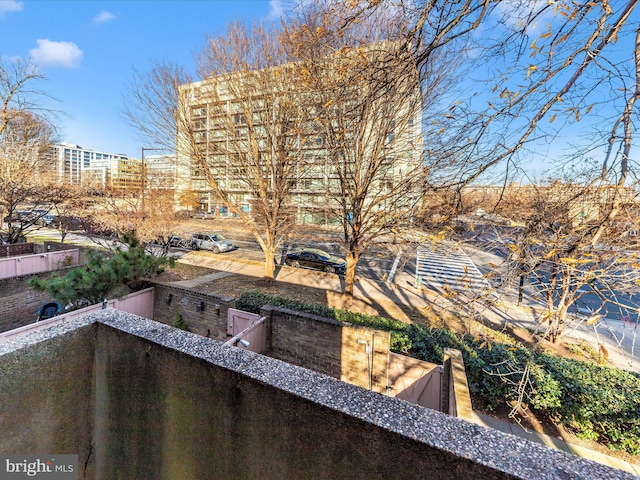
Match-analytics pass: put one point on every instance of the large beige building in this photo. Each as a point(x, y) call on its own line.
point(224, 122)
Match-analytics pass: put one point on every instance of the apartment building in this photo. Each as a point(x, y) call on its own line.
point(160, 172)
point(76, 165)
point(260, 115)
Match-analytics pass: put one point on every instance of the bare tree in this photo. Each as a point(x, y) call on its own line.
point(238, 129)
point(575, 244)
point(149, 216)
point(189, 199)
point(372, 144)
point(541, 70)
point(68, 208)
point(369, 101)
point(26, 134)
point(26, 189)
point(547, 245)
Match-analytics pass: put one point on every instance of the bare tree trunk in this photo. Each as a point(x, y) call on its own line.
point(269, 262)
point(559, 322)
point(350, 275)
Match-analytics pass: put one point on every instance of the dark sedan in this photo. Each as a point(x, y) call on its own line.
point(317, 259)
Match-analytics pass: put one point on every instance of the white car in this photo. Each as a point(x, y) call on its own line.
point(211, 241)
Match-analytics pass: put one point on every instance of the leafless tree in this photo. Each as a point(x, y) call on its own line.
point(25, 178)
point(239, 128)
point(189, 200)
point(546, 243)
point(540, 70)
point(26, 134)
point(68, 208)
point(367, 124)
point(118, 213)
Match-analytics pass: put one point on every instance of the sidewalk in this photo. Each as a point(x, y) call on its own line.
point(386, 296)
point(554, 442)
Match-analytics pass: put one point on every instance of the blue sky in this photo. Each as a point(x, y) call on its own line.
point(87, 49)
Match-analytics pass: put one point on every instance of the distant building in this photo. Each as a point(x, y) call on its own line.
point(221, 118)
point(76, 165)
point(161, 172)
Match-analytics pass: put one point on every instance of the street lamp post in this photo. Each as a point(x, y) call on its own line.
point(144, 171)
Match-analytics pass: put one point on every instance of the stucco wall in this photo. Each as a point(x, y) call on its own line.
point(46, 397)
point(140, 400)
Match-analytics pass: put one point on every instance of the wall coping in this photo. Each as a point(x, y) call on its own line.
point(491, 448)
point(191, 291)
point(459, 395)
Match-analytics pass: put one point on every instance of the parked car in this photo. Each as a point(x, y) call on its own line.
point(316, 259)
point(172, 241)
point(47, 220)
point(211, 241)
point(203, 215)
point(70, 223)
point(21, 216)
point(176, 241)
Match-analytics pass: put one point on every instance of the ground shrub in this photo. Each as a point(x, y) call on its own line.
point(595, 401)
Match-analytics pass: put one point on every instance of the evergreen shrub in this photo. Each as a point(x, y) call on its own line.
point(595, 401)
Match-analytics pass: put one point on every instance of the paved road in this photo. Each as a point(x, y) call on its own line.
point(374, 265)
point(445, 266)
point(618, 337)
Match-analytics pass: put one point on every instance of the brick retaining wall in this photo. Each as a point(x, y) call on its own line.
point(330, 347)
point(320, 344)
point(19, 303)
point(210, 322)
point(17, 249)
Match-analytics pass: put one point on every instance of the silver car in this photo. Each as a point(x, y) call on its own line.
point(211, 241)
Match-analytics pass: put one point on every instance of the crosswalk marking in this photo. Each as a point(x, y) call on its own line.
point(445, 266)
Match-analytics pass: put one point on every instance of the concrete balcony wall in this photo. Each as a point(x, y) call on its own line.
point(138, 399)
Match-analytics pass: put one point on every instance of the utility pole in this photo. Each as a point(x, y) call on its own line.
point(143, 175)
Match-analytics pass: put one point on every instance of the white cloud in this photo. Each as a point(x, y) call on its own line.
point(10, 6)
point(104, 17)
point(515, 13)
point(275, 9)
point(57, 54)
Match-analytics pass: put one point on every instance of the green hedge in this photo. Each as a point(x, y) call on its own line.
point(596, 402)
